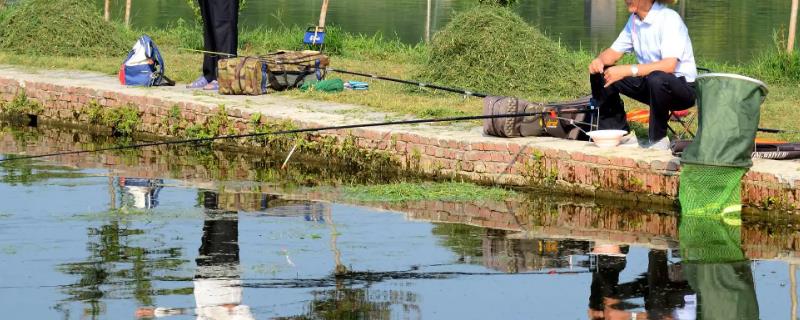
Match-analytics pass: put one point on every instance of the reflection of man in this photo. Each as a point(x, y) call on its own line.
point(217, 284)
point(144, 192)
point(717, 269)
point(604, 302)
point(664, 298)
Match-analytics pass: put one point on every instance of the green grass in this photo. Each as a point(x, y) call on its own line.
point(444, 191)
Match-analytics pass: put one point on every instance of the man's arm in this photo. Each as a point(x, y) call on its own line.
point(606, 58)
point(617, 73)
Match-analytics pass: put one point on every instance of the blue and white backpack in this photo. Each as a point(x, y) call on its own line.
point(144, 66)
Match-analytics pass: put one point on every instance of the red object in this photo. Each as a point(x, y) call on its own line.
point(553, 114)
point(122, 74)
point(681, 113)
point(640, 116)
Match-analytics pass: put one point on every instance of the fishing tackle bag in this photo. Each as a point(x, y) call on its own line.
point(144, 65)
point(566, 120)
point(290, 69)
point(242, 75)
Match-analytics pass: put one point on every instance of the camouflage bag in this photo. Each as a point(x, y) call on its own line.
point(243, 75)
point(289, 69)
point(567, 120)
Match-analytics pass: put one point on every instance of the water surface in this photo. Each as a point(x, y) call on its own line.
point(177, 233)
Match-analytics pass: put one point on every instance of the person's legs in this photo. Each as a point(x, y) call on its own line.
point(222, 29)
point(667, 92)
point(209, 61)
point(612, 109)
point(610, 105)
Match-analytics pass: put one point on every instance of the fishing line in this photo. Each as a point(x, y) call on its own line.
point(248, 135)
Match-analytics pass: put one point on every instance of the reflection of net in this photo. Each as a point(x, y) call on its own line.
point(710, 240)
point(710, 191)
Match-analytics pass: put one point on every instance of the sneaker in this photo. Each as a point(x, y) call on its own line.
point(662, 144)
point(213, 85)
point(629, 140)
point(199, 83)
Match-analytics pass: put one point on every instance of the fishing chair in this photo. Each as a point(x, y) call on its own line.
point(685, 118)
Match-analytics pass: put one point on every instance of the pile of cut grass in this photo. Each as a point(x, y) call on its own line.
point(68, 28)
point(491, 49)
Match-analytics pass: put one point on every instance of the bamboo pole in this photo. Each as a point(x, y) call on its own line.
point(792, 27)
point(428, 23)
point(106, 10)
point(128, 13)
point(322, 14)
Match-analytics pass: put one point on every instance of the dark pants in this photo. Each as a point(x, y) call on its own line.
point(220, 31)
point(662, 91)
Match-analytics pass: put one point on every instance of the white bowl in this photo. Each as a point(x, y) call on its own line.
point(606, 138)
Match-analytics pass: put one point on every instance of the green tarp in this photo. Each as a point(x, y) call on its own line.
point(728, 105)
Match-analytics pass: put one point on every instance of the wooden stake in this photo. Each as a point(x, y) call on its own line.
point(792, 27)
point(428, 23)
point(107, 10)
point(128, 13)
point(322, 14)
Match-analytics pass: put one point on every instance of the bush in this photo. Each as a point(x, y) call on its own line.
point(492, 50)
point(60, 28)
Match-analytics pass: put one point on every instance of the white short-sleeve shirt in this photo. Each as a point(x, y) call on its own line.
point(661, 35)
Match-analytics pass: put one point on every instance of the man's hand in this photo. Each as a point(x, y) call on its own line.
point(615, 74)
point(596, 66)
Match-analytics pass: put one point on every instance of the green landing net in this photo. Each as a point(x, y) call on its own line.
point(715, 162)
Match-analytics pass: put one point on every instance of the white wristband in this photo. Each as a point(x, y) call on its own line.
point(634, 70)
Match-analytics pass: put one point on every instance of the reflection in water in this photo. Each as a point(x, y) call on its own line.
point(116, 268)
point(717, 269)
point(217, 281)
point(141, 193)
point(663, 291)
point(616, 258)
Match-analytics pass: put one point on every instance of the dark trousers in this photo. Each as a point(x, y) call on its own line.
point(662, 91)
point(220, 31)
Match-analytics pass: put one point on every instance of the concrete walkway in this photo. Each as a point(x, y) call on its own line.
point(459, 148)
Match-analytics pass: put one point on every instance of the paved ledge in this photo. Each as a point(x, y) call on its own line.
point(458, 149)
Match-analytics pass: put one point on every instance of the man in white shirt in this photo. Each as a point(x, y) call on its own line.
point(663, 78)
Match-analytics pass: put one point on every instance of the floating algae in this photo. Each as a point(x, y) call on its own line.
point(491, 49)
point(60, 28)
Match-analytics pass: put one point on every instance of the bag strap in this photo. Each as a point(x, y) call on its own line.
point(239, 69)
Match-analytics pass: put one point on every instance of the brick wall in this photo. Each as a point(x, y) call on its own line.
point(510, 161)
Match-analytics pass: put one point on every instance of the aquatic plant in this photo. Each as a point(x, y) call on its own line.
point(60, 27)
point(444, 191)
point(122, 120)
point(21, 105)
point(491, 49)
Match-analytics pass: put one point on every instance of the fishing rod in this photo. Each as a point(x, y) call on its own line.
point(373, 76)
point(281, 132)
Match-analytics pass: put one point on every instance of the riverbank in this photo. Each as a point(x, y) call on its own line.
point(457, 150)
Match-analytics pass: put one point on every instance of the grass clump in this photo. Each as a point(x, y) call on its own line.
point(446, 191)
point(67, 28)
point(491, 49)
